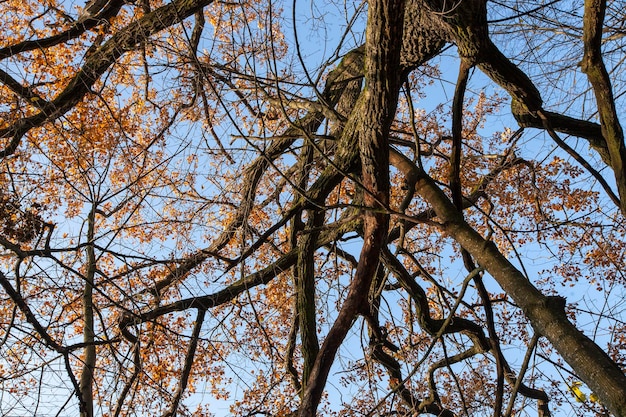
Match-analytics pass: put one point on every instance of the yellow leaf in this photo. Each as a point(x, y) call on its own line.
point(578, 394)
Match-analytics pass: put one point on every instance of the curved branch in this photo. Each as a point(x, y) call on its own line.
point(578, 158)
point(432, 326)
point(238, 287)
point(333, 92)
point(28, 313)
point(468, 27)
point(397, 380)
point(370, 122)
point(457, 132)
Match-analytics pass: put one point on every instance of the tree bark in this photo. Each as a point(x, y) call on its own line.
point(372, 124)
point(593, 65)
point(89, 360)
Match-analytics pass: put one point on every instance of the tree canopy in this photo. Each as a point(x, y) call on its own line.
point(258, 208)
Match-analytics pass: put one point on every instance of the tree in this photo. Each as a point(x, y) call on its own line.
point(196, 207)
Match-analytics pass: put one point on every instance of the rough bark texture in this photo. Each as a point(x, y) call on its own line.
point(593, 65)
point(89, 360)
point(467, 27)
point(371, 127)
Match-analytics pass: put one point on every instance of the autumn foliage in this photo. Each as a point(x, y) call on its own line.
point(283, 209)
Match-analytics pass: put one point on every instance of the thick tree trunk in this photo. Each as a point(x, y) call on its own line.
point(371, 126)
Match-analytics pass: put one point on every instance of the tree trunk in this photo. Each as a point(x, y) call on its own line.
point(89, 361)
point(372, 121)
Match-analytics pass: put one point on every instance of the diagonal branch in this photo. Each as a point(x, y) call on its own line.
point(546, 314)
point(333, 93)
point(191, 352)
